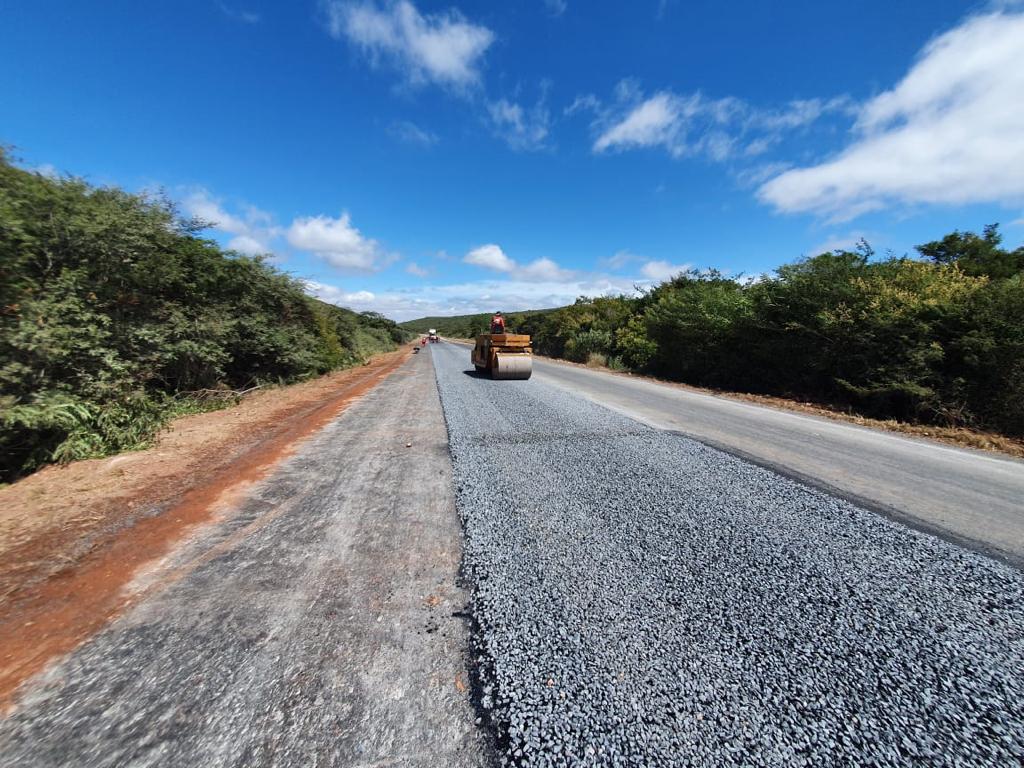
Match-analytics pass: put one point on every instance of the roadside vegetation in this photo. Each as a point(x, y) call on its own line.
point(116, 316)
point(937, 339)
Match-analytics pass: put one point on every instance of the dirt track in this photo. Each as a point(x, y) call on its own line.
point(72, 537)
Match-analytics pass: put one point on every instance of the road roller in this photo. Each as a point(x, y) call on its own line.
point(503, 355)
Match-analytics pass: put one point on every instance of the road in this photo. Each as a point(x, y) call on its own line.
point(644, 599)
point(971, 497)
point(321, 623)
point(457, 570)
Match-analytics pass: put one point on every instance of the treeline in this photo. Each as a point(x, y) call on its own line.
point(934, 339)
point(115, 315)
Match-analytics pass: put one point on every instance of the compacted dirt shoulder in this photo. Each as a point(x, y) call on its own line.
point(72, 537)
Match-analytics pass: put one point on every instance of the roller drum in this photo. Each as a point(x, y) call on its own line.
point(512, 366)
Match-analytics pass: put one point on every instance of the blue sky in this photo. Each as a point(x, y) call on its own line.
point(439, 158)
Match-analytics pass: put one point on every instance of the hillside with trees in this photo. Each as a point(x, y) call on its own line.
point(116, 315)
point(937, 339)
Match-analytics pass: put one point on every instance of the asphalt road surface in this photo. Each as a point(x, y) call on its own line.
point(971, 497)
point(322, 624)
point(644, 599)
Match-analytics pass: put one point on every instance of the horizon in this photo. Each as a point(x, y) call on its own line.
point(439, 159)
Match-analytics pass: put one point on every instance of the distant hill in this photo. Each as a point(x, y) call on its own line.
point(467, 326)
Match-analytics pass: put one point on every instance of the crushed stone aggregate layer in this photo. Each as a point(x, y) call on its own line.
point(643, 599)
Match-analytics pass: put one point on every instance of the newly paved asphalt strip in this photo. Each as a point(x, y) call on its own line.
point(321, 625)
point(644, 599)
point(971, 497)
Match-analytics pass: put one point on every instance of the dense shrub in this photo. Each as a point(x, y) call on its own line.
point(584, 344)
point(113, 310)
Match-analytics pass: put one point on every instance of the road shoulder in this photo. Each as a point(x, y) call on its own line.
point(72, 537)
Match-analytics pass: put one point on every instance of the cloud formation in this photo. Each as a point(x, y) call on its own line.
point(694, 125)
point(556, 7)
point(443, 48)
point(492, 257)
point(253, 230)
point(545, 270)
point(619, 259)
point(408, 132)
point(660, 271)
point(950, 132)
point(521, 128)
point(48, 170)
point(338, 243)
point(473, 296)
point(334, 295)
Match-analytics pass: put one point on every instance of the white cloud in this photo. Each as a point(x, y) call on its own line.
point(757, 174)
point(338, 243)
point(415, 269)
point(586, 102)
point(839, 242)
point(490, 256)
point(410, 133)
point(247, 244)
point(537, 285)
point(334, 295)
point(800, 112)
point(48, 170)
point(654, 121)
point(443, 48)
point(660, 271)
point(204, 207)
point(950, 132)
point(507, 295)
point(254, 230)
point(556, 7)
point(545, 269)
point(521, 128)
point(619, 259)
point(682, 125)
point(693, 125)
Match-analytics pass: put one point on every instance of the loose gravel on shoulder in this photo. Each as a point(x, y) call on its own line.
point(644, 600)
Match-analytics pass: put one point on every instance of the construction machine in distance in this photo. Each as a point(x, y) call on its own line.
point(503, 355)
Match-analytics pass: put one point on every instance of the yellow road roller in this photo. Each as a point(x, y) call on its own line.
point(503, 355)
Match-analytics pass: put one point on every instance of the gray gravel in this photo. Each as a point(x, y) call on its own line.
point(642, 599)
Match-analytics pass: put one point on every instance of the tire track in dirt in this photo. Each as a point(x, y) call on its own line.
point(48, 618)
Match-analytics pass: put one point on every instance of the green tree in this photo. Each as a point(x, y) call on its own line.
point(976, 255)
point(693, 320)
